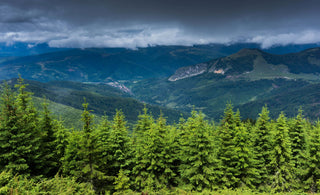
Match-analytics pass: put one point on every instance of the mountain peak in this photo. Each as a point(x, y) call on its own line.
point(246, 52)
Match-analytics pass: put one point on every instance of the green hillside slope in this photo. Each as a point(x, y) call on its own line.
point(102, 99)
point(245, 77)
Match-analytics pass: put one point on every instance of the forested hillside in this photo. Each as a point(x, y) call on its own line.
point(249, 79)
point(38, 155)
point(103, 99)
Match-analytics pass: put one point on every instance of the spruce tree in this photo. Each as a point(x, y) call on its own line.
point(49, 157)
point(299, 147)
point(235, 153)
point(117, 148)
point(172, 157)
point(198, 165)
point(82, 152)
point(227, 172)
point(103, 133)
point(281, 162)
point(262, 143)
point(19, 128)
point(246, 160)
point(144, 123)
point(72, 160)
point(153, 167)
point(312, 179)
point(8, 127)
point(28, 123)
point(61, 141)
point(138, 141)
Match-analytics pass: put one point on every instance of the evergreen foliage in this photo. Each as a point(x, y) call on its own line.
point(197, 159)
point(38, 155)
point(299, 147)
point(281, 163)
point(262, 143)
point(313, 171)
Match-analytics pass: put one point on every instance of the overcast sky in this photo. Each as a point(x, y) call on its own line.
point(140, 23)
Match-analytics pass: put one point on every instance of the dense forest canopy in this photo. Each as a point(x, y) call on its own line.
point(39, 155)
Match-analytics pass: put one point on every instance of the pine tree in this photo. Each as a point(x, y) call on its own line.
point(172, 154)
point(89, 149)
point(197, 166)
point(49, 157)
point(8, 128)
point(227, 172)
point(144, 123)
point(116, 148)
point(262, 143)
point(82, 153)
point(72, 160)
point(155, 159)
point(103, 133)
point(281, 162)
point(245, 154)
point(299, 147)
point(29, 141)
point(61, 141)
point(19, 141)
point(312, 179)
point(235, 153)
point(138, 141)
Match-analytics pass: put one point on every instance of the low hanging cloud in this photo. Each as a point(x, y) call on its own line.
point(143, 23)
point(132, 38)
point(305, 37)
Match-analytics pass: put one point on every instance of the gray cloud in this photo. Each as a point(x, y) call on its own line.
point(139, 23)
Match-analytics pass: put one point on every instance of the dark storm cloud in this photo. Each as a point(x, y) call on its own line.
point(132, 23)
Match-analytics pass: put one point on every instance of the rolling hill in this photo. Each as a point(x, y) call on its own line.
point(102, 99)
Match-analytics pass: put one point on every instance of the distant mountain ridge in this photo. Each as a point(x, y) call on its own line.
point(248, 79)
point(255, 63)
point(99, 64)
point(176, 77)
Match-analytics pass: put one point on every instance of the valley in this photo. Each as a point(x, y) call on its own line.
point(174, 79)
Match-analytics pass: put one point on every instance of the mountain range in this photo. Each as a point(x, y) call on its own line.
point(175, 79)
point(247, 78)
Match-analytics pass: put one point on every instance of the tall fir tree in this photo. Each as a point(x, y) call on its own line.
point(172, 156)
point(150, 163)
point(262, 143)
point(28, 129)
point(297, 132)
point(8, 127)
point(228, 174)
point(245, 158)
point(312, 179)
point(48, 143)
point(81, 156)
point(21, 151)
point(103, 133)
point(197, 158)
point(281, 162)
point(117, 149)
point(61, 141)
point(235, 153)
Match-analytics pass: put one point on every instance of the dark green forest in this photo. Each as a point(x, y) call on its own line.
point(38, 155)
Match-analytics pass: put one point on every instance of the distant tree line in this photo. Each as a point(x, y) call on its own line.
point(38, 154)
